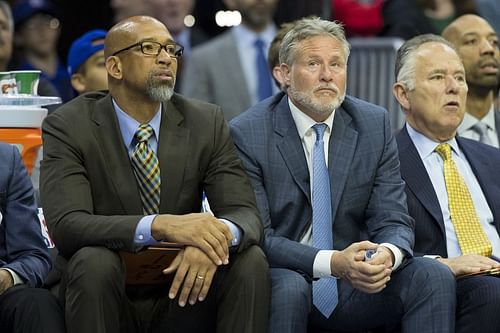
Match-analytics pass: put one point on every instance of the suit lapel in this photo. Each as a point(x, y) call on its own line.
point(110, 142)
point(290, 147)
point(172, 146)
point(341, 148)
point(416, 177)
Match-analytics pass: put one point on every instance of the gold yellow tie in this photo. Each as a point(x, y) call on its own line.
point(470, 234)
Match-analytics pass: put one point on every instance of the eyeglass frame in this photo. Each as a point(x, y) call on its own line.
point(176, 55)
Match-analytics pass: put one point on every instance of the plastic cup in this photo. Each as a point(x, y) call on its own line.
point(8, 83)
point(27, 81)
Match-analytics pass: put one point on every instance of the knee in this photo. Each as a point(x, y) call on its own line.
point(433, 277)
point(95, 268)
point(251, 265)
point(290, 288)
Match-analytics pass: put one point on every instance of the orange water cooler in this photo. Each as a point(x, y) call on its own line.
point(20, 124)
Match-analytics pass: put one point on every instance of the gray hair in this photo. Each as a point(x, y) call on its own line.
point(310, 27)
point(5, 8)
point(404, 70)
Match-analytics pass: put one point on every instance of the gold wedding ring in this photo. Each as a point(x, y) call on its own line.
point(200, 277)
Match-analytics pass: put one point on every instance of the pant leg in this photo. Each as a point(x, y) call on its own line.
point(30, 310)
point(243, 293)
point(478, 304)
point(421, 295)
point(291, 302)
point(93, 289)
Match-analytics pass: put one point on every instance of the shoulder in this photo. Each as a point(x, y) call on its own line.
point(7, 151)
point(261, 112)
point(81, 105)
point(478, 150)
point(196, 111)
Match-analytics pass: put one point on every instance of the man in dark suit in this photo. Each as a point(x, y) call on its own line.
point(24, 257)
point(431, 89)
point(363, 199)
point(477, 45)
point(99, 197)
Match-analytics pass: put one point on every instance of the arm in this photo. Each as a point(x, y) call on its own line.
point(26, 253)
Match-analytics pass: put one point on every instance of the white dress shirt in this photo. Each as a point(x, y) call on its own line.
point(469, 121)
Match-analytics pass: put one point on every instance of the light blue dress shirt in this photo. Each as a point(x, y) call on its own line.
point(434, 166)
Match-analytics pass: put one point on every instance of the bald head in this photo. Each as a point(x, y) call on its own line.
point(462, 25)
point(126, 32)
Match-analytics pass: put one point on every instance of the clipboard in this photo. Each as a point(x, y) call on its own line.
point(146, 266)
point(490, 272)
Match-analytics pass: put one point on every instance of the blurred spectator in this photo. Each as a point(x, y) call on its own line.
point(274, 54)
point(126, 8)
point(231, 70)
point(477, 45)
point(359, 17)
point(86, 62)
point(490, 11)
point(36, 36)
point(409, 18)
point(174, 13)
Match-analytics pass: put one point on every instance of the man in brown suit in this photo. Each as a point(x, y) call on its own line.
point(95, 202)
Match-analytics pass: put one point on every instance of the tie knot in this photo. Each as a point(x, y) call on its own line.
point(480, 128)
point(444, 150)
point(259, 43)
point(143, 133)
point(320, 130)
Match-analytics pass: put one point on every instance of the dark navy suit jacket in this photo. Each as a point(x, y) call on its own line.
point(423, 204)
point(22, 247)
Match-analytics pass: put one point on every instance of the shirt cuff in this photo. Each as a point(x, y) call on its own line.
point(143, 235)
point(398, 255)
point(16, 278)
point(432, 256)
point(321, 265)
point(235, 231)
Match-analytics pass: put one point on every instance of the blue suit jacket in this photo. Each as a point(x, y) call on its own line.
point(368, 200)
point(423, 204)
point(22, 248)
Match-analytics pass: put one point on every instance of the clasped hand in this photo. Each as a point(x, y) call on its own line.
point(368, 276)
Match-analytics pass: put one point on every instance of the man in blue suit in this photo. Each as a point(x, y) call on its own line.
point(365, 210)
point(432, 91)
point(24, 257)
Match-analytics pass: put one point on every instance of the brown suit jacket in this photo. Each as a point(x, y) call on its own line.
point(89, 192)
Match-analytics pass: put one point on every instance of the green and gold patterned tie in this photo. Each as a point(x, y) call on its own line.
point(470, 234)
point(147, 170)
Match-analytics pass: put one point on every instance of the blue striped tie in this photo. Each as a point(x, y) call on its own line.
point(147, 170)
point(264, 82)
point(325, 295)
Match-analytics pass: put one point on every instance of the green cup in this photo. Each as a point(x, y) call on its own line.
point(27, 81)
point(8, 83)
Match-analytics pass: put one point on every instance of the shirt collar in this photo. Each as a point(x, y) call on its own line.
point(128, 125)
point(304, 123)
point(470, 120)
point(426, 146)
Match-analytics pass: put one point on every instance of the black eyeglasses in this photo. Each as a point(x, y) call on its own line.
point(154, 48)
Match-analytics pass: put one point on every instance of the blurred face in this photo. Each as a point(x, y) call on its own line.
point(5, 40)
point(153, 75)
point(171, 12)
point(39, 34)
point(255, 13)
point(477, 44)
point(317, 78)
point(436, 106)
point(92, 75)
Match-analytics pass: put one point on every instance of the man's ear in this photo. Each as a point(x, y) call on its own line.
point(78, 83)
point(400, 91)
point(114, 67)
point(285, 74)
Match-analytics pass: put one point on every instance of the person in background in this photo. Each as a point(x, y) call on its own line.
point(452, 187)
point(86, 62)
point(323, 215)
point(174, 14)
point(273, 54)
point(123, 9)
point(24, 257)
point(477, 45)
point(127, 169)
point(231, 70)
point(36, 36)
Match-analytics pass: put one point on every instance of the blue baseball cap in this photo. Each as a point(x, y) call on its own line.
point(22, 10)
point(85, 47)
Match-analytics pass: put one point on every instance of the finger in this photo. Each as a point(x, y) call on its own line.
point(219, 247)
point(198, 284)
point(175, 264)
point(177, 282)
point(187, 286)
point(225, 231)
point(207, 248)
point(206, 284)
